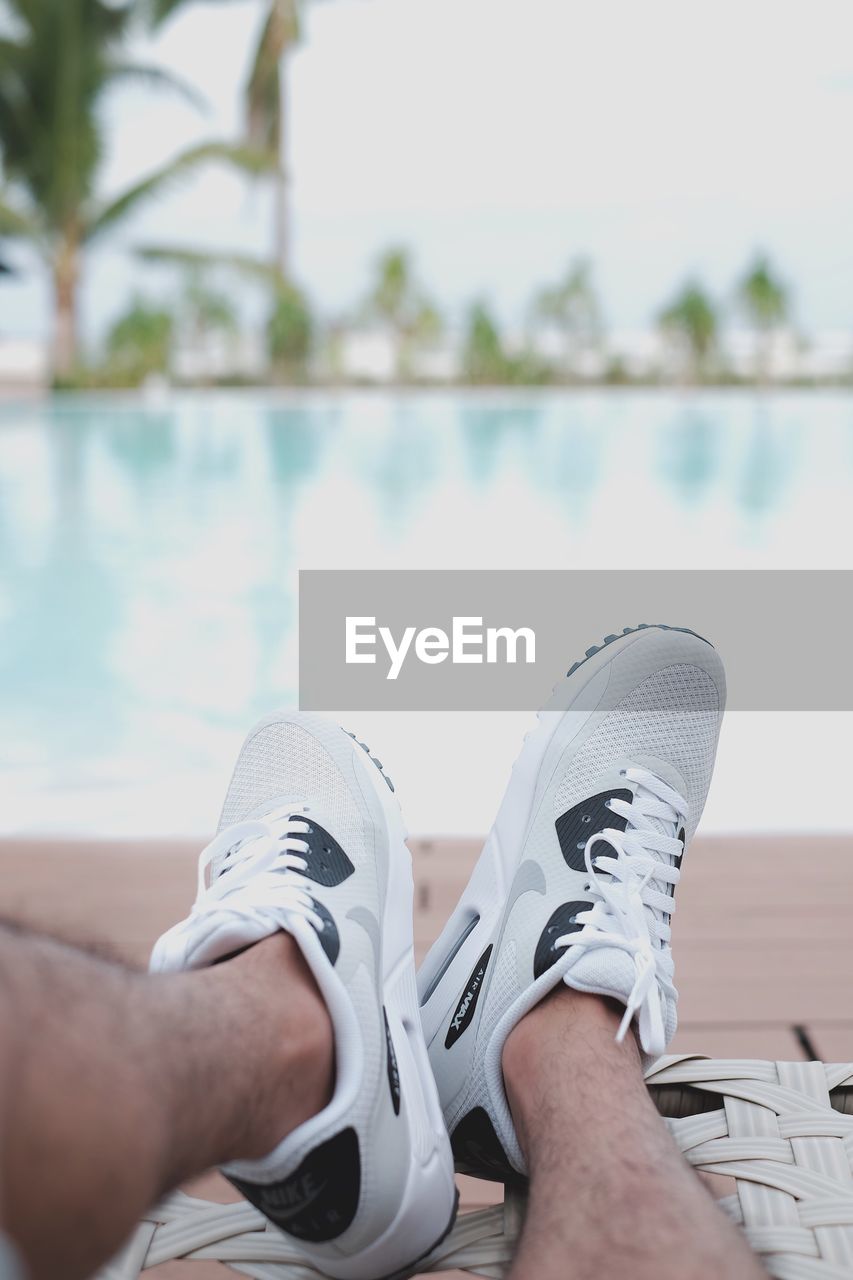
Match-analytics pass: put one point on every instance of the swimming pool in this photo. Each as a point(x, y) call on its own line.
point(149, 550)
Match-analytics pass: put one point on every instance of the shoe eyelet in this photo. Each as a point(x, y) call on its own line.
point(585, 818)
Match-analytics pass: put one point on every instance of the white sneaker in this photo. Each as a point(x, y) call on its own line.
point(311, 841)
point(576, 879)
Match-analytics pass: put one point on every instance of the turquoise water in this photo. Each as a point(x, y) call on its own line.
point(149, 551)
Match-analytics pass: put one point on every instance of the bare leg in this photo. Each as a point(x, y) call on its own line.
point(610, 1194)
point(117, 1085)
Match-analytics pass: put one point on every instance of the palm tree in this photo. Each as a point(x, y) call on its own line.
point(690, 322)
point(763, 297)
point(266, 104)
point(139, 343)
point(484, 359)
point(397, 302)
point(57, 65)
point(290, 324)
point(572, 306)
point(205, 311)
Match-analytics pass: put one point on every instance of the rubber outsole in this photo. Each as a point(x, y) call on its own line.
point(371, 757)
point(629, 631)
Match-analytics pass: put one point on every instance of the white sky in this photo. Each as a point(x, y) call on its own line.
point(498, 139)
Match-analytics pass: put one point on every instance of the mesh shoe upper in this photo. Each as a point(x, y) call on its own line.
point(653, 704)
point(310, 840)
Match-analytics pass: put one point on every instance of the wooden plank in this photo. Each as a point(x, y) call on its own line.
point(833, 1042)
point(774, 1041)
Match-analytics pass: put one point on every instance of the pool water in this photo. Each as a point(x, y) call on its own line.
point(149, 550)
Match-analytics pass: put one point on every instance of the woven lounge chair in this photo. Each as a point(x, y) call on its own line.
point(782, 1130)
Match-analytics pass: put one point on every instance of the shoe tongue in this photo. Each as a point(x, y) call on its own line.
point(602, 970)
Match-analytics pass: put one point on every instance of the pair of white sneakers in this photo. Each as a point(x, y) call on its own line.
point(575, 884)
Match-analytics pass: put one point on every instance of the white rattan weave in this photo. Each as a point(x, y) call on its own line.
point(771, 1126)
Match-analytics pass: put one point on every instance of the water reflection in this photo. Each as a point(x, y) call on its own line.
point(295, 440)
point(769, 461)
point(144, 444)
point(487, 429)
point(148, 557)
point(399, 463)
point(690, 455)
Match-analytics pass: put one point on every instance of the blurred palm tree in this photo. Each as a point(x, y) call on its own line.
point(690, 322)
point(139, 343)
point(397, 301)
point(58, 61)
point(206, 312)
point(484, 359)
point(290, 324)
point(763, 298)
point(573, 308)
point(267, 116)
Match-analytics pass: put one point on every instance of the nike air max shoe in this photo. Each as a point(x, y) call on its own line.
point(311, 841)
point(575, 883)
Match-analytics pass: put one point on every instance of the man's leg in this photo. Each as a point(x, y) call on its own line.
point(116, 1086)
point(610, 1194)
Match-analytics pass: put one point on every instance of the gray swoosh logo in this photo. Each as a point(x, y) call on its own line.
point(368, 922)
point(529, 878)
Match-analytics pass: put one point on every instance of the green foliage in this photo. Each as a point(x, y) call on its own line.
point(57, 62)
point(280, 31)
point(54, 69)
point(485, 360)
point(483, 356)
point(398, 302)
point(572, 306)
point(263, 99)
point(392, 294)
point(290, 333)
point(762, 295)
point(264, 90)
point(244, 159)
point(616, 373)
point(690, 321)
point(205, 310)
point(139, 343)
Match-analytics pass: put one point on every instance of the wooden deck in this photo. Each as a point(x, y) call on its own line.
point(763, 938)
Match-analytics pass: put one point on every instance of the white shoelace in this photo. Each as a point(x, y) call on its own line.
point(625, 900)
point(261, 880)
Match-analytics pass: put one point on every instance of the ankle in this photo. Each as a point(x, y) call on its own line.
point(553, 1027)
point(567, 1032)
point(274, 1053)
point(294, 1060)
